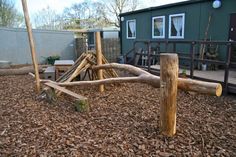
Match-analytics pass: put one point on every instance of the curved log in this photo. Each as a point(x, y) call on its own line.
point(131, 69)
point(145, 77)
point(183, 84)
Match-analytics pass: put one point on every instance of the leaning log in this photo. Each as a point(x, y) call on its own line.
point(32, 45)
point(81, 103)
point(145, 77)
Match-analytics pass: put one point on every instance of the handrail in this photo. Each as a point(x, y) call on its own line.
point(186, 41)
point(126, 55)
point(191, 56)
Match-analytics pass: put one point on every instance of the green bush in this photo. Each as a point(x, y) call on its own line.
point(51, 59)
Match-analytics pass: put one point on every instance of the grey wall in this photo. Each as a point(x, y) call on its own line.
point(14, 45)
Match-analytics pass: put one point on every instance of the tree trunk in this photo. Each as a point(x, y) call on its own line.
point(99, 59)
point(168, 93)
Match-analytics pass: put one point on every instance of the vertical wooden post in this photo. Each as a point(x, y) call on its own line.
point(99, 59)
point(227, 66)
point(174, 47)
point(149, 56)
point(31, 42)
point(168, 92)
point(192, 59)
point(166, 45)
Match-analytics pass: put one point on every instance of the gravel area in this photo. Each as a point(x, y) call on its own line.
point(122, 121)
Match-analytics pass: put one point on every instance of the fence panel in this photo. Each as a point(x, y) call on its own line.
point(80, 44)
point(110, 48)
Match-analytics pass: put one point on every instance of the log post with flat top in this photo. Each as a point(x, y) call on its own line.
point(168, 92)
point(31, 42)
point(99, 59)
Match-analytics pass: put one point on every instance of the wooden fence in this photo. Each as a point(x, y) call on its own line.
point(110, 48)
point(80, 45)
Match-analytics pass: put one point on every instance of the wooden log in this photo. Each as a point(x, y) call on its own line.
point(66, 91)
point(20, 71)
point(31, 42)
point(209, 88)
point(81, 103)
point(99, 59)
point(168, 93)
point(69, 72)
point(200, 86)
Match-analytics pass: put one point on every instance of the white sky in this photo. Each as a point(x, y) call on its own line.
point(59, 5)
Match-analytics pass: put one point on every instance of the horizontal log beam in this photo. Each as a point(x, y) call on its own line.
point(20, 71)
point(200, 86)
point(183, 84)
point(145, 77)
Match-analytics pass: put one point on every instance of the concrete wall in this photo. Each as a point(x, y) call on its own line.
point(14, 45)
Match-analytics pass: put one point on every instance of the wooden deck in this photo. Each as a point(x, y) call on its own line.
point(217, 75)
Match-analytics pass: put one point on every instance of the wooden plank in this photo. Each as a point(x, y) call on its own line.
point(68, 73)
point(66, 91)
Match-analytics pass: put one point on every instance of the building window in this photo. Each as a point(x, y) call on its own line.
point(176, 26)
point(131, 29)
point(158, 27)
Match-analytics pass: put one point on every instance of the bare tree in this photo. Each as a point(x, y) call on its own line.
point(115, 7)
point(47, 18)
point(85, 15)
point(9, 17)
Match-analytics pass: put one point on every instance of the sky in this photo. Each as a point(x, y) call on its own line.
point(58, 5)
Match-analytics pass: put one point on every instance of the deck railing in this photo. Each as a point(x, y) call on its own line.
point(192, 56)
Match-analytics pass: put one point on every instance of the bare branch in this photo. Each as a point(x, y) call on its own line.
point(131, 69)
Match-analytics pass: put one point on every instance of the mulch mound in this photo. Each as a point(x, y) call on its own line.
point(123, 121)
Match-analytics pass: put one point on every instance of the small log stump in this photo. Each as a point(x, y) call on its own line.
point(82, 105)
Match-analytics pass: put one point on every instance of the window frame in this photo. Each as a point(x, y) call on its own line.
point(127, 31)
point(183, 26)
point(164, 25)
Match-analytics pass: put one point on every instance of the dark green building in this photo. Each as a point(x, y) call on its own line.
point(189, 20)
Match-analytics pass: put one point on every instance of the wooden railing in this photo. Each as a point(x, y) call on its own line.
point(191, 55)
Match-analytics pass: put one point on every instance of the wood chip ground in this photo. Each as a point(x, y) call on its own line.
point(123, 121)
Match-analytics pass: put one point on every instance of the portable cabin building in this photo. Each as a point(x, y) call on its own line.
point(189, 20)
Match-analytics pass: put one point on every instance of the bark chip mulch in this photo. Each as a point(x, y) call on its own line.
point(122, 121)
